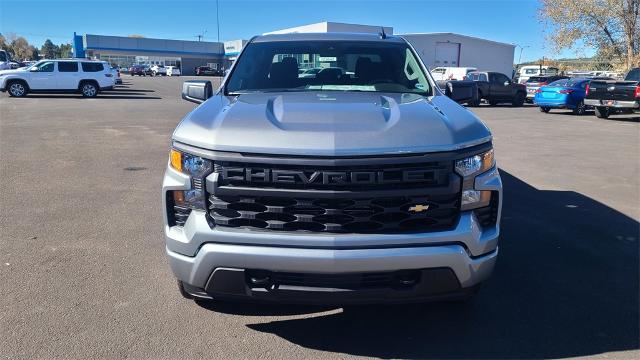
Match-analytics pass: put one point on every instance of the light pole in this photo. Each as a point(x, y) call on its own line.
point(218, 19)
point(521, 48)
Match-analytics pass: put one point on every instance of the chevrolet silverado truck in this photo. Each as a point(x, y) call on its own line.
point(497, 88)
point(608, 97)
point(365, 185)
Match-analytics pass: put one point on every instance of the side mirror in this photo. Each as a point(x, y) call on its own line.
point(197, 91)
point(507, 83)
point(34, 69)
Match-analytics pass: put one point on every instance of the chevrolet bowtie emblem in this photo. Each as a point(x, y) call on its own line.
point(419, 208)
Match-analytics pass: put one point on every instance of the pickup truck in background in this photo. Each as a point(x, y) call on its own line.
point(609, 97)
point(497, 88)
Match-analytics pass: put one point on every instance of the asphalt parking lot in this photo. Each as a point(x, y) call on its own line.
point(84, 274)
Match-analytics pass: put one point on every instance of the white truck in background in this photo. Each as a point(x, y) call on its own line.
point(525, 72)
point(442, 73)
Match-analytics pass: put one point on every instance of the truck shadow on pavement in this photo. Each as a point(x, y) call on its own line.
point(566, 284)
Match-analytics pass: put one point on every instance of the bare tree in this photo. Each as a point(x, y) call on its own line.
point(610, 26)
point(21, 49)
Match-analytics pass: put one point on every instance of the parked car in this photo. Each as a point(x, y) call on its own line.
point(525, 72)
point(5, 60)
point(158, 70)
point(309, 73)
point(140, 70)
point(208, 71)
point(609, 96)
point(87, 77)
point(496, 87)
point(116, 74)
point(563, 94)
point(451, 73)
point(173, 71)
point(535, 82)
point(369, 188)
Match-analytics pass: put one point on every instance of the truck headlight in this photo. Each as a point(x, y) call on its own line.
point(197, 168)
point(476, 164)
point(469, 168)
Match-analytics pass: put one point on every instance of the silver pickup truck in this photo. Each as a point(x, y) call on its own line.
point(360, 185)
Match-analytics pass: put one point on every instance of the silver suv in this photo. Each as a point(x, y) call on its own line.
point(360, 185)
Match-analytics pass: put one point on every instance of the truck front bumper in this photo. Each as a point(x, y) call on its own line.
point(329, 268)
point(226, 271)
point(616, 104)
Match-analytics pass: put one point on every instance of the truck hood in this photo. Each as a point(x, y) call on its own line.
point(331, 124)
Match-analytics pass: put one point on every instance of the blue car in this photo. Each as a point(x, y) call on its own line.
point(563, 94)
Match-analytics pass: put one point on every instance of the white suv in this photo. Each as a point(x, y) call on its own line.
point(87, 77)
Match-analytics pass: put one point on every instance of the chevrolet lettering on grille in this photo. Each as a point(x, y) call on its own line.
point(281, 176)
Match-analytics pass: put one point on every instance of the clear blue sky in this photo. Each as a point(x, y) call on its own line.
point(510, 21)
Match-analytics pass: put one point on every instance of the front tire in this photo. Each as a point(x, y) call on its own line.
point(602, 112)
point(17, 89)
point(544, 109)
point(89, 89)
point(580, 108)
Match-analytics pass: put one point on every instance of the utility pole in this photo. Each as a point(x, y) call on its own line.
point(218, 19)
point(521, 48)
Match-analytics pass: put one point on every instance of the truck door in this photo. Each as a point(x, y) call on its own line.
point(498, 89)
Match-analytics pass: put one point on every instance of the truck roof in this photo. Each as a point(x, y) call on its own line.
point(336, 36)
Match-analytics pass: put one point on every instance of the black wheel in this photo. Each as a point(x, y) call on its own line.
point(518, 100)
point(580, 108)
point(493, 102)
point(183, 292)
point(88, 89)
point(544, 109)
point(602, 112)
point(17, 88)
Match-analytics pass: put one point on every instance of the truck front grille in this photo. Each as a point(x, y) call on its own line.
point(361, 215)
point(401, 194)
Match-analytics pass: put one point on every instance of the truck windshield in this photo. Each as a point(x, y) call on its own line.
point(340, 66)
